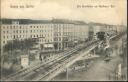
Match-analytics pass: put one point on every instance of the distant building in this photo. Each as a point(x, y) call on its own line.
point(98, 27)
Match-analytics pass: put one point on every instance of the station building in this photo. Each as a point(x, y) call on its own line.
point(98, 27)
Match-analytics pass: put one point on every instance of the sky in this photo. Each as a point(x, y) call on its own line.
point(68, 9)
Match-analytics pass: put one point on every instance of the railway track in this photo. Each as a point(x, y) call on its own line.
point(43, 70)
point(57, 65)
point(61, 65)
point(59, 68)
point(26, 72)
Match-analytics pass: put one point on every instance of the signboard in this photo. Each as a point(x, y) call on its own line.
point(48, 45)
point(76, 41)
point(25, 61)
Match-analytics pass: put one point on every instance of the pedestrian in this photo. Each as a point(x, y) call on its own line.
point(40, 58)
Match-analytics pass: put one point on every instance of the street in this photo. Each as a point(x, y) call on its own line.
point(99, 70)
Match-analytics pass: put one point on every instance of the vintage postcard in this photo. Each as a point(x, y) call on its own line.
point(63, 40)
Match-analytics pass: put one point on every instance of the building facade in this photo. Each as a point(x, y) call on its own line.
point(55, 34)
point(52, 34)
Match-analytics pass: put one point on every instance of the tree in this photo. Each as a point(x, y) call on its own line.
point(7, 47)
point(16, 45)
point(19, 44)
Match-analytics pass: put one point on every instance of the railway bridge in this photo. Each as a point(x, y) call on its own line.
point(47, 71)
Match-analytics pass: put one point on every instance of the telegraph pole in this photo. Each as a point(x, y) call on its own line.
point(67, 73)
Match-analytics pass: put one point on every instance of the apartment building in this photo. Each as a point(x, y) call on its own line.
point(68, 31)
point(51, 34)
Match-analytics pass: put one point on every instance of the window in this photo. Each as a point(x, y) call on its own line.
point(7, 27)
point(17, 31)
point(59, 39)
point(31, 36)
point(3, 41)
point(10, 27)
point(20, 31)
point(14, 36)
point(4, 37)
point(20, 27)
point(3, 31)
point(3, 27)
point(14, 27)
point(17, 36)
point(20, 36)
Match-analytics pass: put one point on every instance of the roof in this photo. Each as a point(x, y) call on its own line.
point(30, 21)
point(24, 21)
point(66, 21)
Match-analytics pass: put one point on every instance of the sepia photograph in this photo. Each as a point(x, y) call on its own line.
point(63, 40)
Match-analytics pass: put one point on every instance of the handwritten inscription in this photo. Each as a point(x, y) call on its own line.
point(95, 6)
point(21, 6)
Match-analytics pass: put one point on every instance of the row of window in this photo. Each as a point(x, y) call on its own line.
point(40, 31)
point(25, 31)
point(41, 26)
point(16, 31)
point(57, 39)
point(24, 36)
point(43, 40)
point(21, 27)
point(13, 27)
